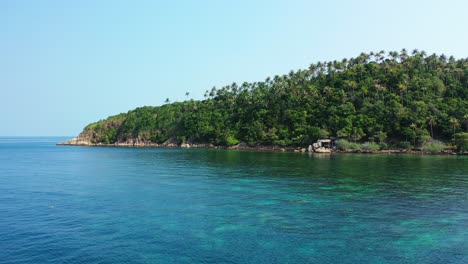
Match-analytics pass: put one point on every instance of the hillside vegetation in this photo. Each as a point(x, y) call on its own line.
point(393, 99)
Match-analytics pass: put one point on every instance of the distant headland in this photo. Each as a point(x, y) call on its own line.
point(409, 101)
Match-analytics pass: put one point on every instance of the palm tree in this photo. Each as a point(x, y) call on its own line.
point(363, 58)
point(393, 55)
point(432, 122)
point(213, 91)
point(345, 62)
point(403, 88)
point(379, 88)
point(380, 56)
point(414, 127)
point(312, 69)
point(454, 124)
point(403, 55)
point(443, 58)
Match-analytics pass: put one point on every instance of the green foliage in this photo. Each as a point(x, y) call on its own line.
point(370, 146)
point(405, 145)
point(344, 144)
point(378, 97)
point(461, 141)
point(231, 141)
point(434, 146)
point(383, 145)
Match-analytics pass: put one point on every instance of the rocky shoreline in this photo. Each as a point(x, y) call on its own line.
point(140, 144)
point(242, 146)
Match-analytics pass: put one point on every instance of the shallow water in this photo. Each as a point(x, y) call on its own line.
point(125, 205)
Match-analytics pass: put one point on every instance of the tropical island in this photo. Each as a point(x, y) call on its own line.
point(377, 101)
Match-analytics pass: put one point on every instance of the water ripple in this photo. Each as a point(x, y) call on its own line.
point(124, 205)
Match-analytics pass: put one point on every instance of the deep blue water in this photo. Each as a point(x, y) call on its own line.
point(125, 205)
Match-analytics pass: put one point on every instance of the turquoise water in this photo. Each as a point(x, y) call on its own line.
point(125, 205)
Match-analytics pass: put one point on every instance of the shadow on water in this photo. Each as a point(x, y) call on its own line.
point(414, 170)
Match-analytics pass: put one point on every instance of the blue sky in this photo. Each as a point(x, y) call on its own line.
point(64, 64)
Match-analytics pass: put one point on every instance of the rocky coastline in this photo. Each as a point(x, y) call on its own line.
point(242, 146)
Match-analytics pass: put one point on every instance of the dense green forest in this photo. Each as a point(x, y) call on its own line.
point(402, 99)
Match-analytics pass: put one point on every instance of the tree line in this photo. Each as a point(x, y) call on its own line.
point(390, 98)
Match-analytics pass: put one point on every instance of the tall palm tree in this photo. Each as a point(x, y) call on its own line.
point(454, 124)
point(345, 62)
point(380, 56)
point(443, 58)
point(403, 55)
point(414, 127)
point(213, 91)
point(393, 55)
point(432, 122)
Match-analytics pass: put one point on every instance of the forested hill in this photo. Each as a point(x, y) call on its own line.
point(387, 98)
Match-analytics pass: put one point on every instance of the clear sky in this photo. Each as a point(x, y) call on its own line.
point(64, 64)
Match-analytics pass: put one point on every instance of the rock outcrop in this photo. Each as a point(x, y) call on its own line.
point(77, 142)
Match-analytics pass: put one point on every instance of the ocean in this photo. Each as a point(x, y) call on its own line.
point(64, 204)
